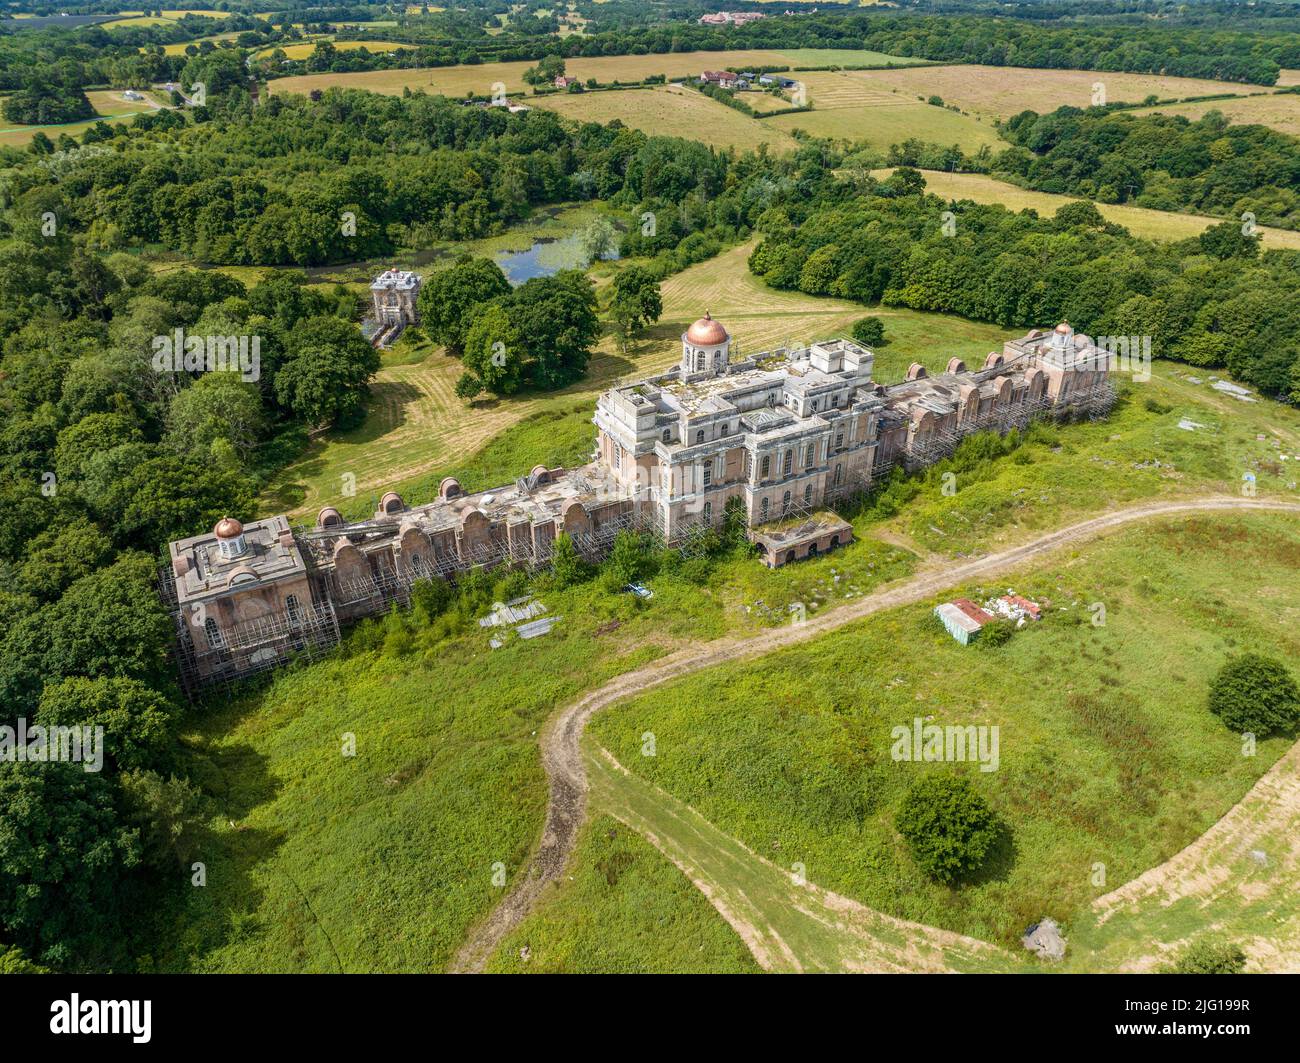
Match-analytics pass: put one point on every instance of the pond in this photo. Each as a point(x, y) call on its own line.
point(547, 256)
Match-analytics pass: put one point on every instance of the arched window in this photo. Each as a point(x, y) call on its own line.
point(785, 503)
point(668, 435)
point(839, 474)
point(699, 360)
point(807, 495)
point(215, 639)
point(708, 512)
point(788, 465)
point(295, 610)
point(699, 436)
point(766, 466)
point(722, 430)
point(762, 511)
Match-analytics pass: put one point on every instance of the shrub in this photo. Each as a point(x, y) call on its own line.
point(948, 826)
point(996, 633)
point(1255, 694)
point(869, 331)
point(1209, 957)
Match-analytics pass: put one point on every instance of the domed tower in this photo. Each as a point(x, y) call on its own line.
point(230, 539)
point(706, 348)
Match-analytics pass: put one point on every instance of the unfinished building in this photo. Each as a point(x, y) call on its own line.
point(783, 435)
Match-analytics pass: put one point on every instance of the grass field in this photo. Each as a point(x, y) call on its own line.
point(108, 104)
point(416, 427)
point(672, 111)
point(461, 80)
point(1281, 110)
point(1121, 765)
point(1152, 224)
point(625, 910)
point(1000, 92)
point(847, 109)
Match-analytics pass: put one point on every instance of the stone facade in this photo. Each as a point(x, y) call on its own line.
point(785, 434)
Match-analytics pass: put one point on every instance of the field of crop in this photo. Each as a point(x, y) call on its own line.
point(1279, 110)
point(999, 92)
point(673, 111)
point(416, 426)
point(460, 80)
point(306, 48)
point(1152, 224)
point(1119, 765)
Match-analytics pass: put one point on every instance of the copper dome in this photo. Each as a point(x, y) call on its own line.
point(228, 528)
point(706, 332)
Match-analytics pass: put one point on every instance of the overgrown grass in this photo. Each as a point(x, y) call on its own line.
point(1109, 755)
point(623, 909)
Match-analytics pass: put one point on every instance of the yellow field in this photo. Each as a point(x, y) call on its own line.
point(109, 105)
point(461, 80)
point(671, 111)
point(1288, 78)
point(1003, 91)
point(1281, 111)
point(416, 425)
point(304, 49)
point(1150, 224)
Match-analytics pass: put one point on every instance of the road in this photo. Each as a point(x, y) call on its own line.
point(560, 739)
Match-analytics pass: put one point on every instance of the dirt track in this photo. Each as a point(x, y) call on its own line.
point(562, 758)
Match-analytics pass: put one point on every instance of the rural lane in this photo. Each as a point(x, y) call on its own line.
point(562, 757)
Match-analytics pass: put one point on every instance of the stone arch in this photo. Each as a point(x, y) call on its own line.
point(956, 365)
point(449, 488)
point(329, 517)
point(391, 503)
point(993, 360)
point(916, 371)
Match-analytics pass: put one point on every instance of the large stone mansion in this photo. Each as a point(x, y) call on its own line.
point(785, 434)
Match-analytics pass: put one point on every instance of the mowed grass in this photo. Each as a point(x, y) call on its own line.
point(1150, 224)
point(1108, 754)
point(416, 428)
point(673, 111)
point(1280, 110)
point(1000, 92)
point(461, 80)
point(623, 909)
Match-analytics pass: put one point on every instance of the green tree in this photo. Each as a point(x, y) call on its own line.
point(64, 856)
point(947, 825)
point(169, 815)
point(137, 720)
point(448, 299)
point(1255, 694)
point(557, 314)
point(494, 350)
point(637, 301)
point(216, 406)
point(61, 554)
point(869, 331)
point(567, 564)
point(326, 374)
point(1229, 239)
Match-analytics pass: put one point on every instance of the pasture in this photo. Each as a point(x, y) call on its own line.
point(671, 110)
point(1280, 110)
point(1151, 224)
point(109, 106)
point(1000, 92)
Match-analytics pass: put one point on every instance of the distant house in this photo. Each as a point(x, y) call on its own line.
point(724, 79)
point(730, 18)
point(562, 82)
point(777, 80)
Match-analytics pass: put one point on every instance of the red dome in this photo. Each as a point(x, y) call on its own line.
point(706, 332)
point(228, 528)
